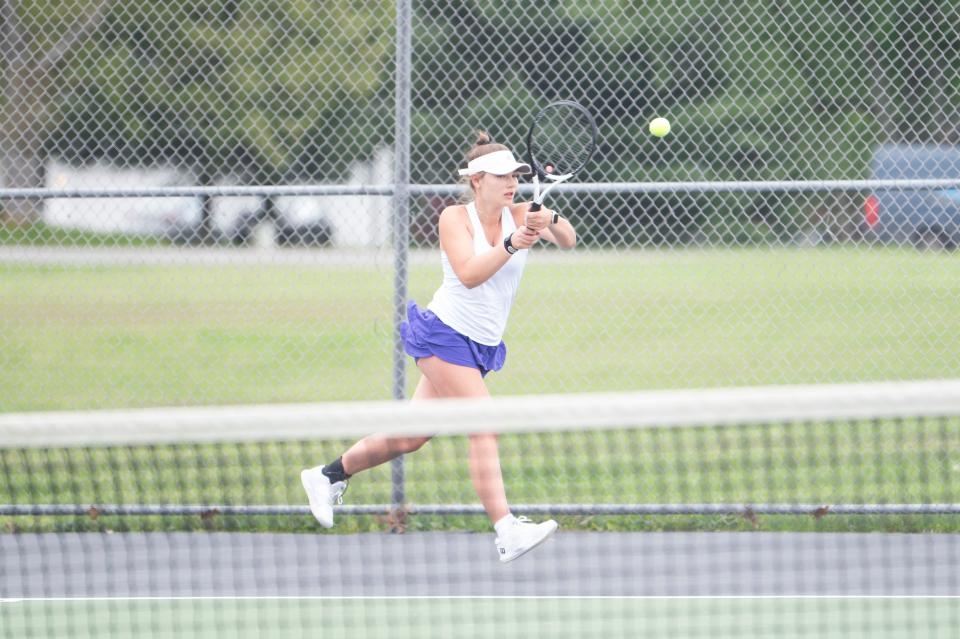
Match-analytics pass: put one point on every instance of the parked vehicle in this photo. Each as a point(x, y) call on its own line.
point(265, 225)
point(924, 218)
point(283, 231)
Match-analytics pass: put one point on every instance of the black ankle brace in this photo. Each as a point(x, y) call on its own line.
point(335, 472)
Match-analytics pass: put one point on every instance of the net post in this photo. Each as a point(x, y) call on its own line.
point(401, 235)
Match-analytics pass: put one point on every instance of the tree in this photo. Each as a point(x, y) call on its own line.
point(37, 38)
point(260, 91)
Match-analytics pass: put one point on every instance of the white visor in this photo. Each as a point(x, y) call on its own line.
point(497, 163)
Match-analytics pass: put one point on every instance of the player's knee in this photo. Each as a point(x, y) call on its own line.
point(412, 444)
point(419, 442)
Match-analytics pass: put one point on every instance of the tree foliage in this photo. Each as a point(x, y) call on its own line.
point(264, 90)
point(297, 90)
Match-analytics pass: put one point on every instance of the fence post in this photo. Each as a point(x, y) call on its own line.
point(401, 235)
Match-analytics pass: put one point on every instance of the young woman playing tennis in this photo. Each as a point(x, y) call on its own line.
point(457, 339)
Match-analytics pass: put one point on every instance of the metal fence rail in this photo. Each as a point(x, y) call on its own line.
point(573, 188)
point(818, 511)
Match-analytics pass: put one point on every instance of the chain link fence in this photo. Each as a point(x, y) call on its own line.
point(199, 198)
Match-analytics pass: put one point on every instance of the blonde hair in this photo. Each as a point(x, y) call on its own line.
point(482, 145)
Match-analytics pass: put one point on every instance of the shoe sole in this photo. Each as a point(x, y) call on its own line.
point(531, 546)
point(308, 487)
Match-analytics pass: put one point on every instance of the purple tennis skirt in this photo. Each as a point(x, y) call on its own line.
point(424, 335)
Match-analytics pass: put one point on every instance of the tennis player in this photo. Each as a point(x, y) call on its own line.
point(458, 338)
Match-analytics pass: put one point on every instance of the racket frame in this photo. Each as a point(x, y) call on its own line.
point(539, 173)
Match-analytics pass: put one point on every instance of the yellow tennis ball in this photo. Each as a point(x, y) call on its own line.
point(659, 127)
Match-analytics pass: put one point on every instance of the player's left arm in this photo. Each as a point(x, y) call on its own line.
point(562, 233)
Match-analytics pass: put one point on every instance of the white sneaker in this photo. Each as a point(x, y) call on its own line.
point(322, 494)
point(523, 537)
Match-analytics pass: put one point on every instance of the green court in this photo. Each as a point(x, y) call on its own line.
point(401, 617)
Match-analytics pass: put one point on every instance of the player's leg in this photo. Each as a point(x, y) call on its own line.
point(374, 450)
point(452, 380)
point(325, 484)
point(515, 536)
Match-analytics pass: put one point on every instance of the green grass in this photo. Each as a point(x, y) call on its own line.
point(786, 618)
point(110, 337)
point(42, 235)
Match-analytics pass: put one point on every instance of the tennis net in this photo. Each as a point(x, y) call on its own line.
point(785, 511)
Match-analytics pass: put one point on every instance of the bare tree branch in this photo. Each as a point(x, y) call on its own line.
point(80, 30)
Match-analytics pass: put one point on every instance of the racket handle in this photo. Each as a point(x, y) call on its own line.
point(536, 206)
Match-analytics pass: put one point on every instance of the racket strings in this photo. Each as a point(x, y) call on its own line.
point(562, 140)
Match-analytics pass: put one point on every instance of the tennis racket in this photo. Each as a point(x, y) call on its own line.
point(560, 142)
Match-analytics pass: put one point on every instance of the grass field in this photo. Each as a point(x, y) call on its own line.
point(109, 337)
point(40, 234)
point(688, 617)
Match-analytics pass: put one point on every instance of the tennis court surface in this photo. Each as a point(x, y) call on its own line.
point(778, 511)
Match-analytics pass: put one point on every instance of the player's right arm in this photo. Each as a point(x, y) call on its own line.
point(456, 239)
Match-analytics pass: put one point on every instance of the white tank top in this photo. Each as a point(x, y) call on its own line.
point(480, 312)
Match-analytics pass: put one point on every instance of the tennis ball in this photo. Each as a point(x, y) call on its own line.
point(659, 127)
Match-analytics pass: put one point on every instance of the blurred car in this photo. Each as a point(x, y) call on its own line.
point(263, 226)
point(924, 218)
point(280, 230)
